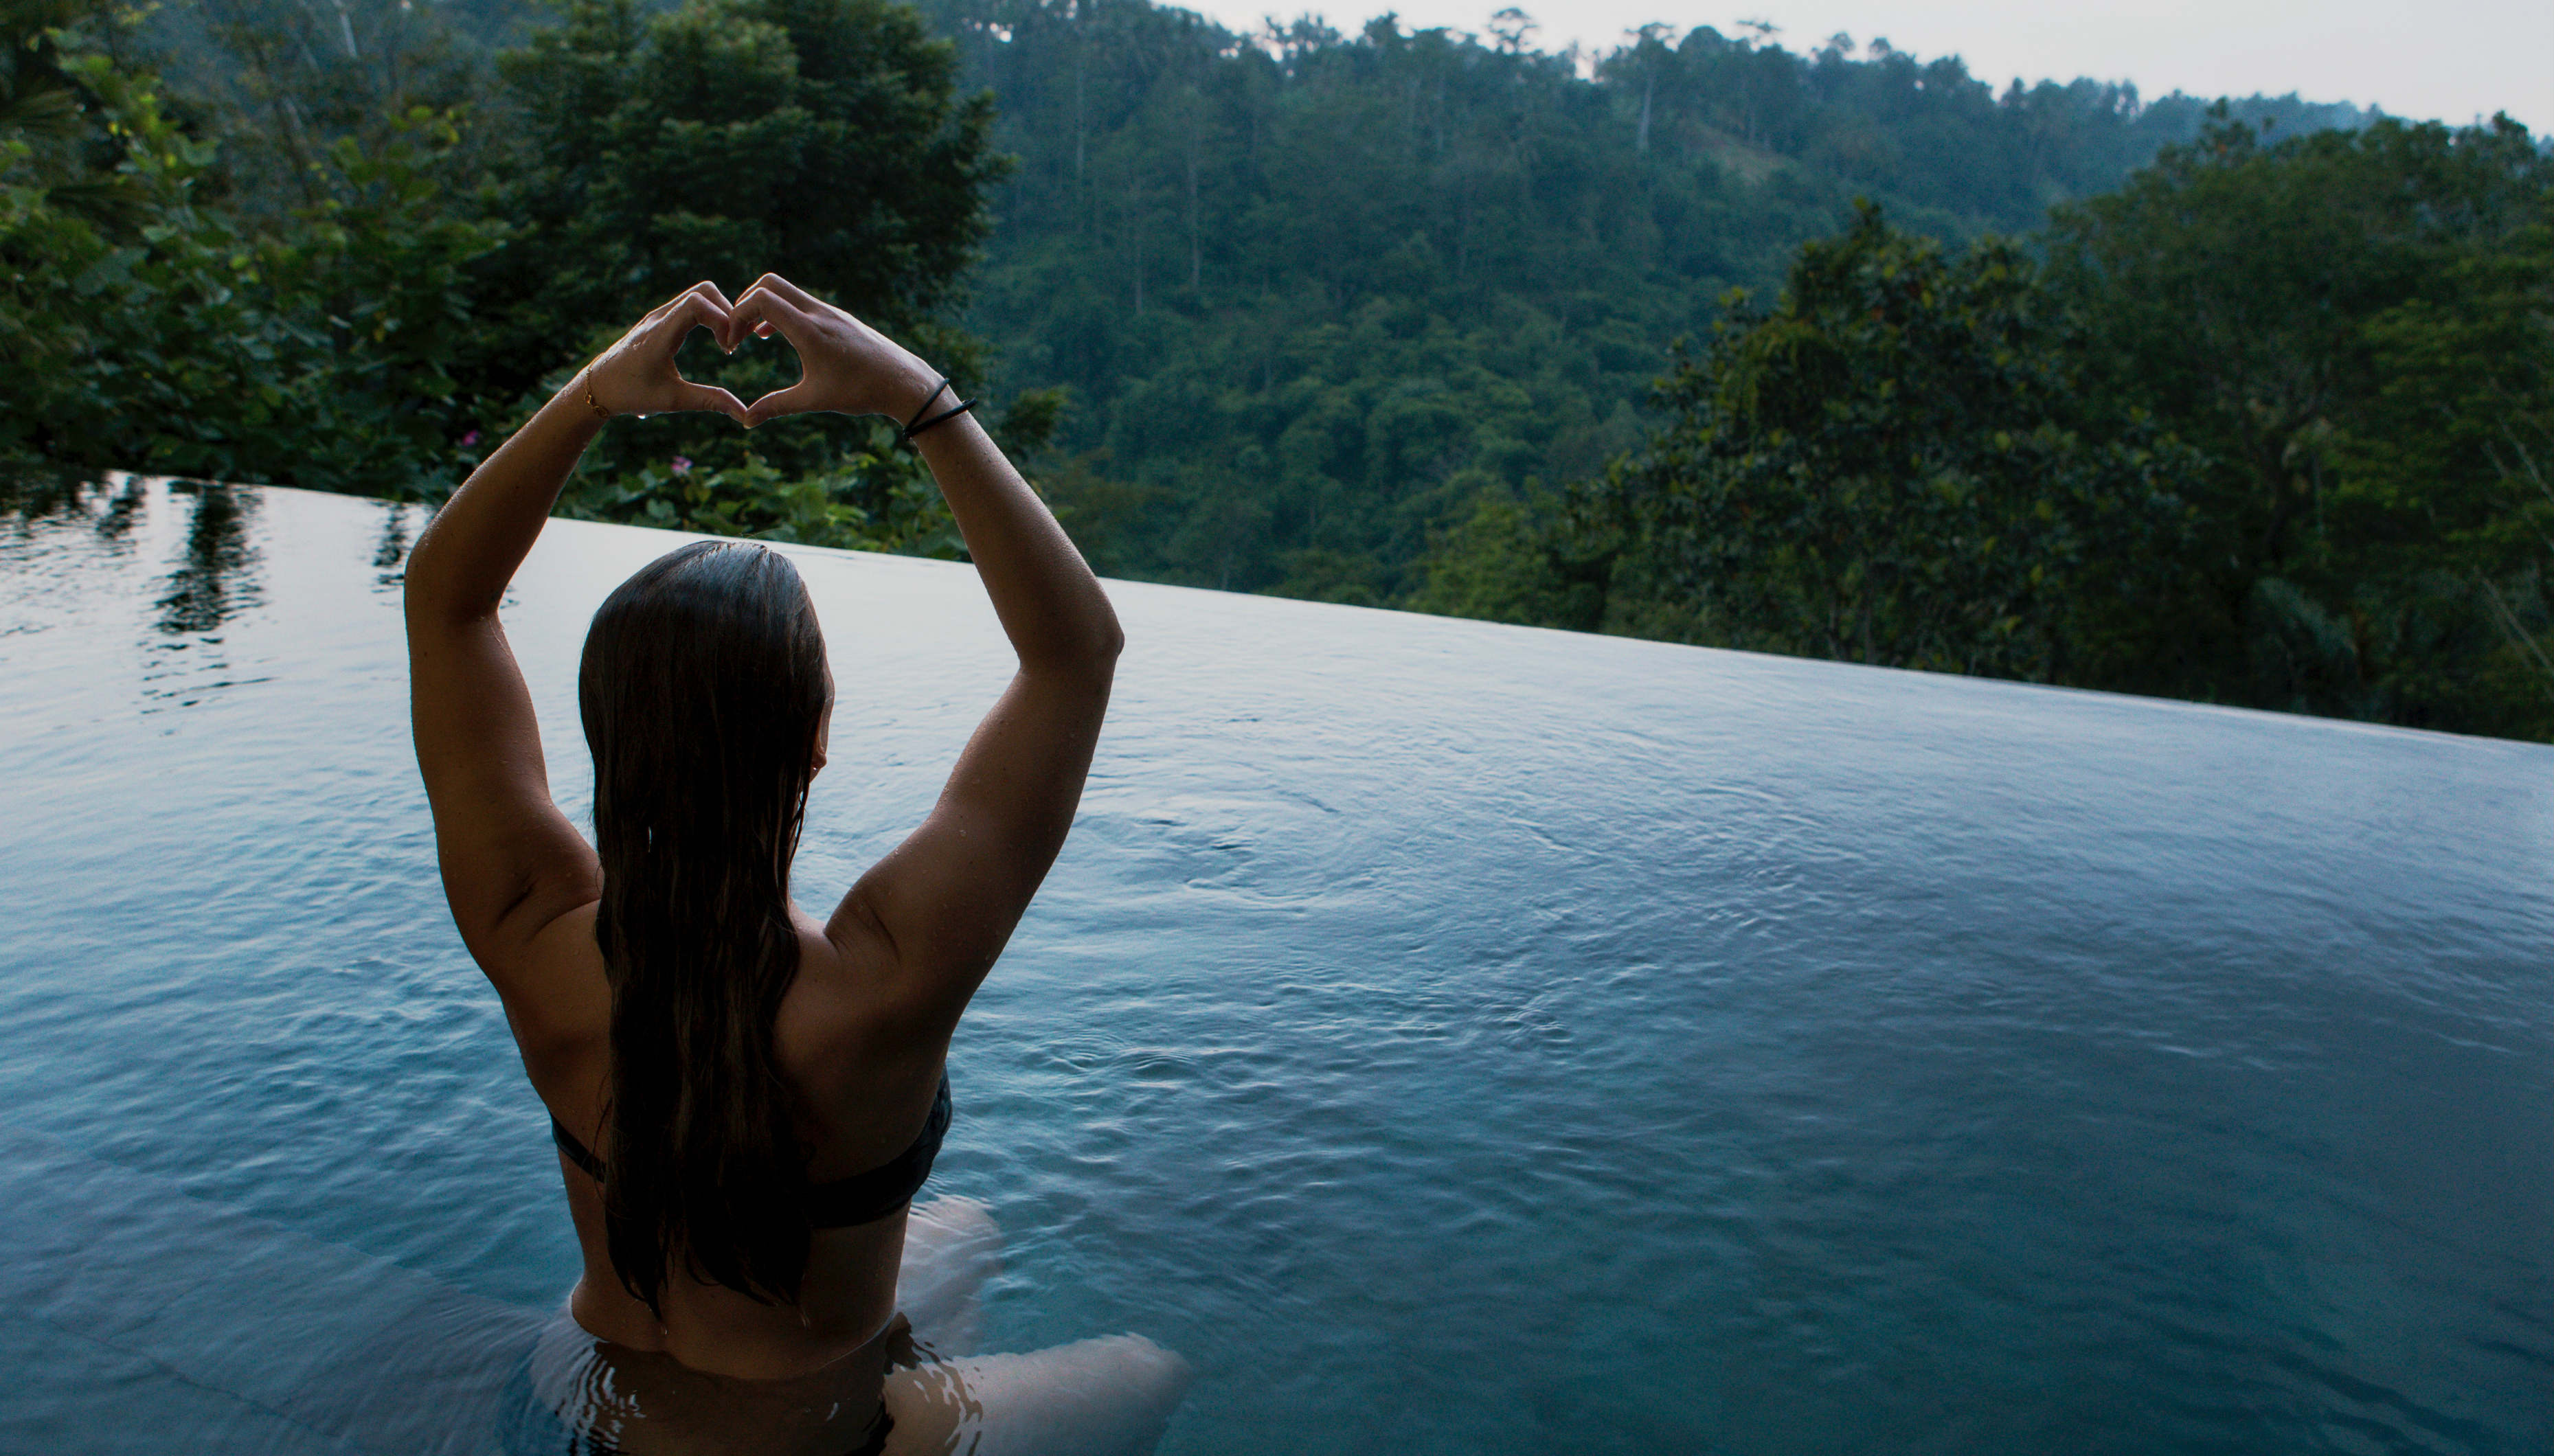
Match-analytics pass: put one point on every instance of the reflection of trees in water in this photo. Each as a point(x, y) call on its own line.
point(211, 582)
point(33, 492)
point(124, 507)
point(30, 494)
point(41, 504)
point(394, 547)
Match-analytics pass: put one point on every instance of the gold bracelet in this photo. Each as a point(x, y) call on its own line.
point(590, 402)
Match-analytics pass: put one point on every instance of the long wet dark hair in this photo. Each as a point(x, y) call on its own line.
point(702, 688)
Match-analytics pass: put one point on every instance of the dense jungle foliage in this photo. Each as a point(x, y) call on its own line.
point(1313, 295)
point(1830, 351)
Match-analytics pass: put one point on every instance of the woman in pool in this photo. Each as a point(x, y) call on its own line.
point(747, 1098)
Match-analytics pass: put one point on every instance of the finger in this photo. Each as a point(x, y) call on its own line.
point(710, 397)
point(765, 287)
point(763, 309)
point(798, 398)
point(724, 331)
point(806, 301)
point(680, 301)
point(695, 310)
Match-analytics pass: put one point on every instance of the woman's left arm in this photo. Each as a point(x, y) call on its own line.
point(512, 863)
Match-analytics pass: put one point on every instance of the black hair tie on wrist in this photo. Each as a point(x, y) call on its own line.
point(937, 391)
point(942, 418)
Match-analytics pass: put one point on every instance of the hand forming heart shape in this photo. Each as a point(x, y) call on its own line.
point(844, 363)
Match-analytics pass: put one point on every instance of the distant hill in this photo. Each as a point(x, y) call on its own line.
point(1308, 294)
point(1311, 291)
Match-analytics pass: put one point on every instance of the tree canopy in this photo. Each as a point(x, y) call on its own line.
point(2249, 402)
point(824, 140)
point(151, 328)
point(1308, 292)
point(1896, 464)
point(2283, 304)
point(2269, 428)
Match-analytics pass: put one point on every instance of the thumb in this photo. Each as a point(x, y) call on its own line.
point(710, 397)
point(798, 398)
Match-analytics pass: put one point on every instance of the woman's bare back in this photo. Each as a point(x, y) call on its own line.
point(866, 1086)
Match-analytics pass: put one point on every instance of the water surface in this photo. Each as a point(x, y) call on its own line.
point(1452, 1038)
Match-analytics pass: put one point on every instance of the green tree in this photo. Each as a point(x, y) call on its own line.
point(1894, 465)
point(1312, 290)
point(823, 139)
point(278, 84)
point(1505, 561)
point(2440, 536)
point(158, 334)
point(2232, 286)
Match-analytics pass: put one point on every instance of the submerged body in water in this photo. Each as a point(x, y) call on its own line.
point(920, 1386)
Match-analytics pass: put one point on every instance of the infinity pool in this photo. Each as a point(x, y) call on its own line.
point(1452, 1038)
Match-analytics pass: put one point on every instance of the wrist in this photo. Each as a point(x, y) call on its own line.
point(915, 391)
point(568, 408)
point(580, 395)
point(951, 412)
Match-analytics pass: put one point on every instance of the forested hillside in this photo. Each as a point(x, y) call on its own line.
point(1306, 293)
point(1828, 351)
point(1310, 292)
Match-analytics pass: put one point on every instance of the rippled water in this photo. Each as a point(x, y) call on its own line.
point(1450, 1037)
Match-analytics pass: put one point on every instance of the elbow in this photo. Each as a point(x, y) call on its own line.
point(1089, 652)
point(436, 589)
point(417, 605)
point(1105, 639)
point(430, 599)
point(426, 608)
point(1097, 639)
point(419, 600)
point(1111, 636)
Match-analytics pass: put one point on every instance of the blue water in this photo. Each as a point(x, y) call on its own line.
point(1452, 1038)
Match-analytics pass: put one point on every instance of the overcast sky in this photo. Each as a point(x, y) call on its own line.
point(2445, 60)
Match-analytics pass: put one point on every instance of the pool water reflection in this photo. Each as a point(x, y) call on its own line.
point(1448, 1037)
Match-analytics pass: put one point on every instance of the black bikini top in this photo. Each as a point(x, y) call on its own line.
point(864, 1197)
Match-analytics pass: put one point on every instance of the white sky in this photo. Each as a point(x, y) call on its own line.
point(2447, 60)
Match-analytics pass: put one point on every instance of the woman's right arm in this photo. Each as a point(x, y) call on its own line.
point(945, 899)
point(512, 863)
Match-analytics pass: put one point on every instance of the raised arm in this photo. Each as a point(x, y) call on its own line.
point(512, 863)
point(944, 901)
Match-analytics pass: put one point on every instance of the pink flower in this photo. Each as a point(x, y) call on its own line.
point(469, 439)
point(682, 465)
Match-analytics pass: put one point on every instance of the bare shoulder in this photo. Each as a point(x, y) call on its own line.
point(845, 995)
point(868, 1063)
point(558, 1002)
